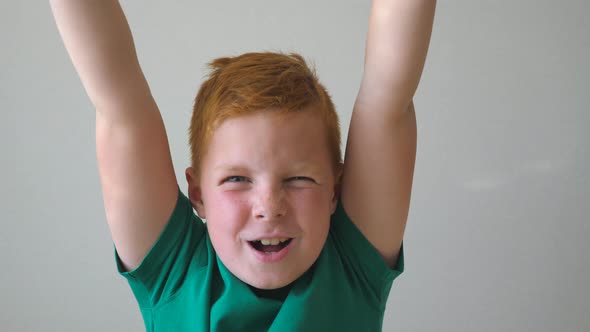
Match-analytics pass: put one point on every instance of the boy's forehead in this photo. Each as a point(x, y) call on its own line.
point(258, 140)
point(272, 130)
point(278, 116)
point(303, 165)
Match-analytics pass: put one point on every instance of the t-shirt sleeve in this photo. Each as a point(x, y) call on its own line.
point(361, 257)
point(163, 270)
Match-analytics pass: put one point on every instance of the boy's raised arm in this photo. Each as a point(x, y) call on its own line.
point(99, 42)
point(137, 177)
point(381, 147)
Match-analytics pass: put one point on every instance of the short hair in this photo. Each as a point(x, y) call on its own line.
point(254, 82)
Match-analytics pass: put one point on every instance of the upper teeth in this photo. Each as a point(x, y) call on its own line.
point(274, 241)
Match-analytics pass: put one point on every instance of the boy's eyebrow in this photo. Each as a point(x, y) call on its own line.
point(297, 167)
point(225, 167)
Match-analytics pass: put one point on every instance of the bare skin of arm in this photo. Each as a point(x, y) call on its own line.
point(137, 176)
point(381, 147)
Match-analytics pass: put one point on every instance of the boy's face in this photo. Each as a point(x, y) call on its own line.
point(266, 176)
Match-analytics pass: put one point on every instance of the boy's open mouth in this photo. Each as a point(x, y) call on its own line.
point(269, 247)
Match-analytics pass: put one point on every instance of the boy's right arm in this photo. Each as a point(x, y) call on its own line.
point(136, 172)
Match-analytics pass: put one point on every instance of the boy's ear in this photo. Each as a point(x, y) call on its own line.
point(337, 186)
point(194, 192)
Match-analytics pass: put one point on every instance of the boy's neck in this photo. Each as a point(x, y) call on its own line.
point(275, 294)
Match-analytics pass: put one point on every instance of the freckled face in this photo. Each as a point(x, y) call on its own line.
point(267, 174)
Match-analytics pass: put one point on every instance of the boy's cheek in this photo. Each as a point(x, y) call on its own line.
point(226, 198)
point(237, 205)
point(312, 200)
point(227, 206)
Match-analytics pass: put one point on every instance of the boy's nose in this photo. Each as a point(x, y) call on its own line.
point(269, 204)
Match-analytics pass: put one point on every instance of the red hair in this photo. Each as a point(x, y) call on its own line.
point(255, 82)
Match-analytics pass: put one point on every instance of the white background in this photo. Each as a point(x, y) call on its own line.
point(498, 232)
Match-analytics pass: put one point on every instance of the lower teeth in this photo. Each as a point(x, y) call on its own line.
point(260, 247)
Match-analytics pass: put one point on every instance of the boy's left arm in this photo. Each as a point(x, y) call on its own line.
point(381, 146)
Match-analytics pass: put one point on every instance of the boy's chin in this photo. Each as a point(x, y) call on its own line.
point(270, 283)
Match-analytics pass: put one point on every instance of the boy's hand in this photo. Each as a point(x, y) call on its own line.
point(381, 148)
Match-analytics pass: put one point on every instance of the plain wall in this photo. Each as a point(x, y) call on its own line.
point(498, 231)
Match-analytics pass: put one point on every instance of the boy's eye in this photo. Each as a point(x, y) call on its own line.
point(238, 179)
point(235, 179)
point(301, 178)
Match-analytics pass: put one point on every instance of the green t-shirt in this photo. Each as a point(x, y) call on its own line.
point(182, 285)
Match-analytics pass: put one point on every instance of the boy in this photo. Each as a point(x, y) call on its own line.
point(294, 239)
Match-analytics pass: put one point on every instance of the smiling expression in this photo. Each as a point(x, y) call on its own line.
point(267, 175)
